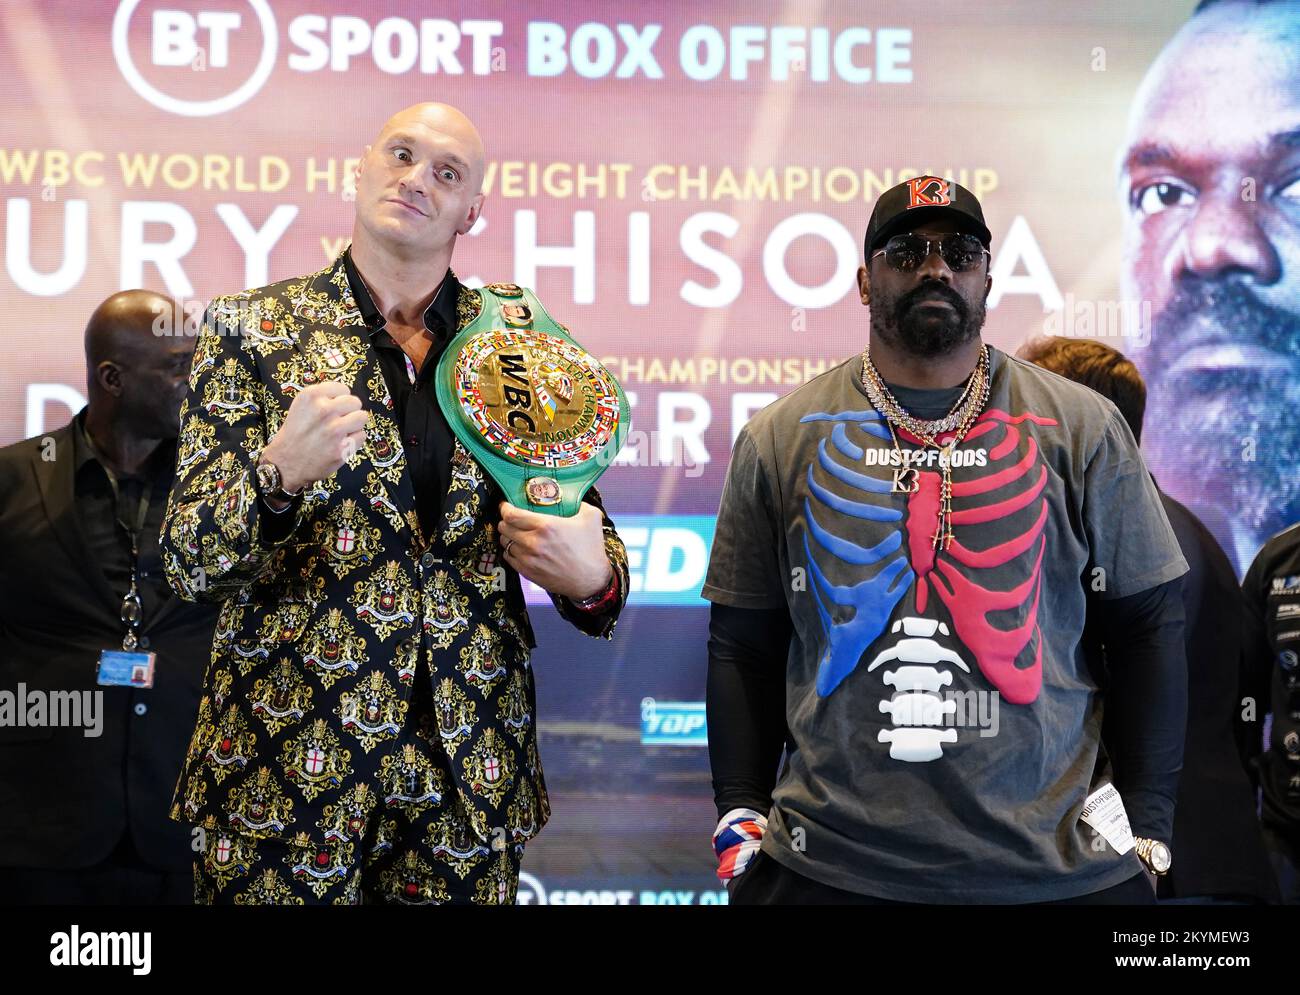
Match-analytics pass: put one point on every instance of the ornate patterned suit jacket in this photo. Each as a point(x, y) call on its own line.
point(315, 652)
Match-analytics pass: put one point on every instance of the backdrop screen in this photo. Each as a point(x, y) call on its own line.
point(686, 187)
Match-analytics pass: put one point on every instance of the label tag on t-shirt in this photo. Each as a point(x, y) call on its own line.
point(1104, 811)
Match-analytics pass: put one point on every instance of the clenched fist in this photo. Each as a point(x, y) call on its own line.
point(325, 426)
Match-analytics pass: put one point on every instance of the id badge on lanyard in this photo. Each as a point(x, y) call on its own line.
point(128, 667)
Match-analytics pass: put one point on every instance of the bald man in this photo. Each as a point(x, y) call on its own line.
point(100, 664)
point(367, 731)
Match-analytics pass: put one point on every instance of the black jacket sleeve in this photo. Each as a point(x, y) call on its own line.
point(746, 703)
point(601, 624)
point(1147, 702)
point(1256, 670)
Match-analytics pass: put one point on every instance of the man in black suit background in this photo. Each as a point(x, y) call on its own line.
point(85, 805)
point(1218, 848)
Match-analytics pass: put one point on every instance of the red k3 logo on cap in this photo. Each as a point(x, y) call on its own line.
point(928, 191)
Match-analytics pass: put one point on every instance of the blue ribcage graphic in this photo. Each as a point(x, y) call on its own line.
point(871, 601)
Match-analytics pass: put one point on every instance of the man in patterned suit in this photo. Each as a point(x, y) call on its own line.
point(367, 728)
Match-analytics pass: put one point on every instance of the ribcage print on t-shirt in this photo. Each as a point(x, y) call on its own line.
point(873, 564)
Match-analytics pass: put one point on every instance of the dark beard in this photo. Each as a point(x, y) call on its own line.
point(1201, 311)
point(927, 335)
point(1227, 440)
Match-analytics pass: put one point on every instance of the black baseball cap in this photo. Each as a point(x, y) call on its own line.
point(915, 201)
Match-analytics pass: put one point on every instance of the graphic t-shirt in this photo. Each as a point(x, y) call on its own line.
point(943, 711)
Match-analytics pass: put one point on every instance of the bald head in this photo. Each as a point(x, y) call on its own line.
point(444, 121)
point(418, 189)
point(138, 355)
point(124, 324)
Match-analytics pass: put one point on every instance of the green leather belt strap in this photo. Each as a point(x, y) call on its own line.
point(536, 410)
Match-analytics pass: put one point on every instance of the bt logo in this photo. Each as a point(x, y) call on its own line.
point(180, 38)
point(220, 41)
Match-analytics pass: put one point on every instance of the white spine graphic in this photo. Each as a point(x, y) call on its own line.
point(917, 707)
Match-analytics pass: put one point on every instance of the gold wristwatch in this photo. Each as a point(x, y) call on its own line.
point(270, 484)
point(1155, 856)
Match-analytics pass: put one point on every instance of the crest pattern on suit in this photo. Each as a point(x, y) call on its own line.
point(316, 761)
point(324, 632)
point(374, 712)
point(348, 538)
point(333, 650)
point(229, 393)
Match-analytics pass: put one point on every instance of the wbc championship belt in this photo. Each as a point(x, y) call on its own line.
point(534, 408)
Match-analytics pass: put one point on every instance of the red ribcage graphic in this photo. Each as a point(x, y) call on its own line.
point(1011, 488)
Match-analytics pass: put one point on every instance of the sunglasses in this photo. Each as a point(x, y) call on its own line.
point(907, 252)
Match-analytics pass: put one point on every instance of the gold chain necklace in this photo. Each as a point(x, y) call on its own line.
point(958, 421)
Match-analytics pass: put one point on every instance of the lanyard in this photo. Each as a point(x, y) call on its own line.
point(132, 610)
point(410, 367)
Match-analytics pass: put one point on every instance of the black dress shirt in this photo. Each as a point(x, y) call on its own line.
point(100, 512)
point(426, 435)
